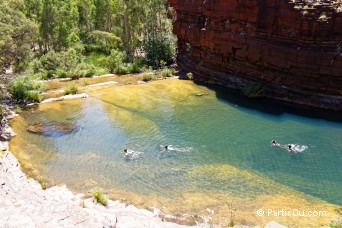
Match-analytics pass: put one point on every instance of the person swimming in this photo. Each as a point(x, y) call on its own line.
point(274, 143)
point(289, 147)
point(132, 153)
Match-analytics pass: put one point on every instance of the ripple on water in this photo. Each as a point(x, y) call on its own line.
point(222, 153)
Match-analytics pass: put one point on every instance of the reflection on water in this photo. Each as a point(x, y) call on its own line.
point(221, 152)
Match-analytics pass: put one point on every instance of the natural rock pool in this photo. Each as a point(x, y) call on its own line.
point(222, 158)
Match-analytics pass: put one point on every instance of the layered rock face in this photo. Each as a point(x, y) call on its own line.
point(290, 50)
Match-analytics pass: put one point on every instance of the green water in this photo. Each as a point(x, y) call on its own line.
point(222, 141)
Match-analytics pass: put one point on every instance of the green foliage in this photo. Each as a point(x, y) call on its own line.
point(97, 59)
point(189, 49)
point(189, 76)
point(83, 70)
point(115, 61)
point(99, 196)
point(104, 41)
point(337, 222)
point(167, 73)
point(147, 77)
point(71, 89)
point(101, 71)
point(2, 111)
point(160, 51)
point(17, 109)
point(133, 68)
point(17, 33)
point(60, 32)
point(65, 60)
point(24, 89)
point(42, 183)
point(254, 89)
point(73, 41)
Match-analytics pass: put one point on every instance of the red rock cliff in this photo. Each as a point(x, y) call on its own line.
point(291, 49)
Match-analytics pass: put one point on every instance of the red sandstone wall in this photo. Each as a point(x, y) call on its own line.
point(294, 50)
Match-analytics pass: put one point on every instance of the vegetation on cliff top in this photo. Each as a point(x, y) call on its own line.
point(56, 39)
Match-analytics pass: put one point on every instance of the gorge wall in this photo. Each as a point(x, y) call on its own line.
point(286, 50)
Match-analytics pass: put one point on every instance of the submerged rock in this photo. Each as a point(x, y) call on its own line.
point(50, 128)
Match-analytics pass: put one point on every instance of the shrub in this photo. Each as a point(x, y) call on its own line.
point(75, 42)
point(189, 76)
point(323, 16)
point(337, 221)
point(97, 59)
point(62, 73)
point(133, 68)
point(34, 95)
point(41, 75)
point(160, 51)
point(17, 109)
point(85, 83)
point(115, 61)
point(71, 89)
point(254, 89)
point(2, 112)
point(42, 183)
point(90, 72)
point(147, 77)
point(99, 196)
point(24, 88)
point(57, 64)
point(101, 71)
point(166, 73)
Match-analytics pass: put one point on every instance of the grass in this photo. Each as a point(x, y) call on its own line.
point(97, 59)
point(2, 111)
point(42, 183)
point(147, 77)
point(17, 109)
point(323, 16)
point(166, 73)
point(337, 222)
point(85, 82)
point(254, 89)
point(25, 89)
point(71, 89)
point(99, 196)
point(189, 76)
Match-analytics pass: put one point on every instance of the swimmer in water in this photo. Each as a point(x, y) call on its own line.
point(126, 152)
point(274, 143)
point(132, 153)
point(289, 147)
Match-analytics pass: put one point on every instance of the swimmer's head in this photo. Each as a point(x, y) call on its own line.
point(166, 147)
point(125, 150)
point(273, 142)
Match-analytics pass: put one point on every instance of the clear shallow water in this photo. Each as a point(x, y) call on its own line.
point(222, 142)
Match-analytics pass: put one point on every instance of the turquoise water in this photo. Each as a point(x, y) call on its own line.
point(207, 131)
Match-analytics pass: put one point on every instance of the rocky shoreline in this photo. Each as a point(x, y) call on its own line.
point(23, 202)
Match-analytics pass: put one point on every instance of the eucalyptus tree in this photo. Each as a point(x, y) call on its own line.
point(17, 35)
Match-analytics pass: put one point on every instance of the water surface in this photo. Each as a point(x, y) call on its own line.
point(222, 157)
